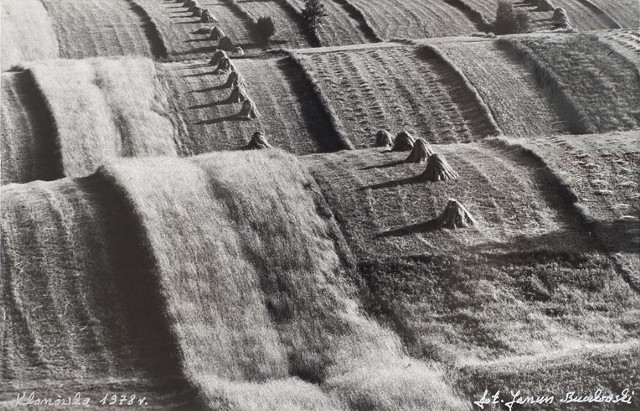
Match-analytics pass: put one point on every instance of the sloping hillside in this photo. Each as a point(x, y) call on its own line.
point(401, 87)
point(394, 19)
point(79, 300)
point(624, 12)
point(527, 281)
point(267, 297)
point(519, 106)
point(27, 33)
point(593, 85)
point(91, 28)
point(89, 110)
point(287, 107)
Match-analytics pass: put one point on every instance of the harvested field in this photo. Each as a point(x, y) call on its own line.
point(624, 42)
point(395, 19)
point(396, 88)
point(603, 172)
point(83, 31)
point(599, 87)
point(176, 25)
point(28, 137)
point(625, 12)
point(288, 33)
point(27, 33)
point(105, 108)
point(520, 108)
point(292, 301)
point(288, 114)
point(80, 307)
point(495, 292)
point(584, 16)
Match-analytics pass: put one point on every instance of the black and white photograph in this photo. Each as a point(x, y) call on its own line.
point(320, 205)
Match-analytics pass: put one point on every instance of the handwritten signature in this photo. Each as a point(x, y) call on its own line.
point(109, 399)
point(571, 397)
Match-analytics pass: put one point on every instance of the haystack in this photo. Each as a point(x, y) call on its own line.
point(258, 142)
point(544, 5)
point(238, 51)
point(403, 142)
point(455, 215)
point(226, 44)
point(197, 11)
point(237, 95)
point(421, 152)
point(438, 169)
point(383, 138)
point(207, 17)
point(560, 19)
point(217, 33)
point(203, 30)
point(217, 56)
point(248, 110)
point(234, 80)
point(224, 65)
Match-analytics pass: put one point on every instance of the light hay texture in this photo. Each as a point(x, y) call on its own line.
point(403, 142)
point(256, 294)
point(106, 108)
point(237, 95)
point(438, 169)
point(258, 142)
point(544, 5)
point(248, 110)
point(420, 152)
point(455, 215)
point(383, 139)
point(27, 33)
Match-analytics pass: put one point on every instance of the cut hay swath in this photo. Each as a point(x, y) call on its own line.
point(396, 87)
point(497, 292)
point(520, 107)
point(91, 28)
point(27, 33)
point(396, 19)
point(598, 85)
point(289, 115)
point(105, 108)
point(240, 278)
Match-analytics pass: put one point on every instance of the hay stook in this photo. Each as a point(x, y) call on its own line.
point(403, 142)
point(258, 142)
point(455, 216)
point(383, 139)
point(438, 169)
point(421, 152)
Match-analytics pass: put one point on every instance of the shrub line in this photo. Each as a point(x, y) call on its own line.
point(356, 13)
point(292, 11)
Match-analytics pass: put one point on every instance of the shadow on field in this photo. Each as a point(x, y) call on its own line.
point(385, 165)
point(430, 225)
point(221, 119)
point(394, 183)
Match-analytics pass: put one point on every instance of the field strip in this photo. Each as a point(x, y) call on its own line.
point(510, 90)
point(625, 12)
point(480, 21)
point(29, 140)
point(27, 33)
point(585, 17)
point(78, 301)
point(82, 30)
point(363, 23)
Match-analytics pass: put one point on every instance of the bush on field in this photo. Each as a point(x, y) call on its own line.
point(264, 29)
point(312, 14)
point(509, 21)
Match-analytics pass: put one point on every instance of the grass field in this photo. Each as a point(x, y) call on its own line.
point(520, 108)
point(27, 32)
point(625, 12)
point(527, 281)
point(395, 88)
point(395, 19)
point(245, 337)
point(105, 108)
point(603, 173)
point(625, 42)
point(79, 310)
point(83, 31)
point(599, 85)
point(285, 102)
